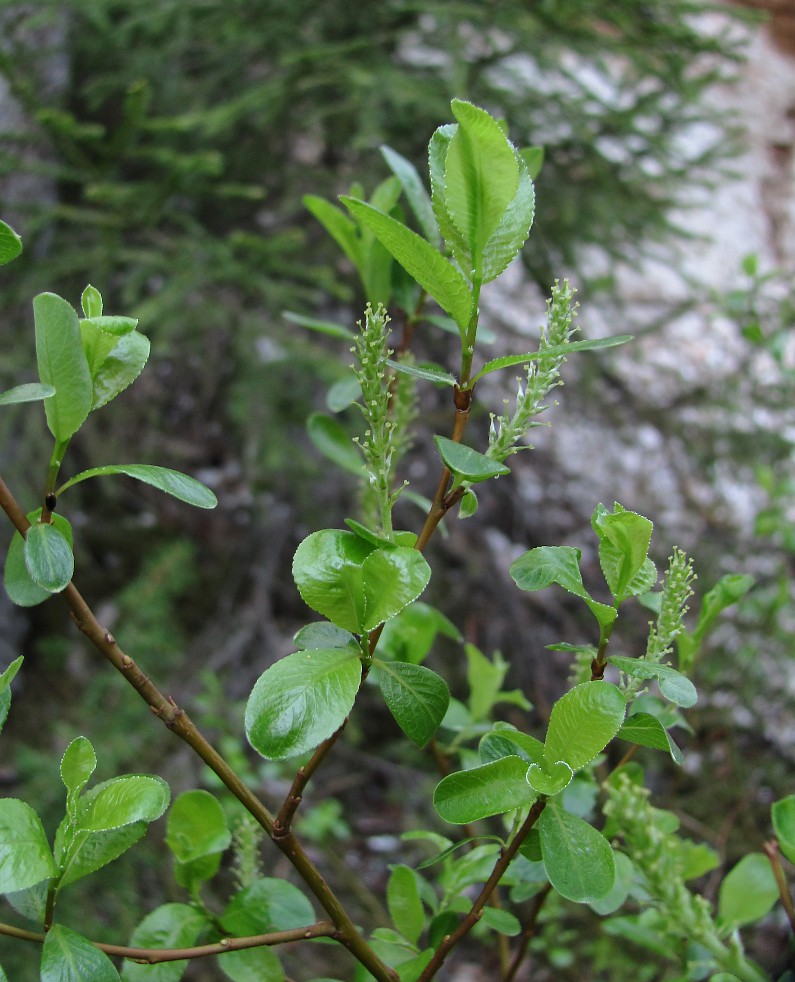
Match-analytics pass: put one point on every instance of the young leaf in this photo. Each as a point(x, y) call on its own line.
point(21, 588)
point(25, 854)
point(343, 393)
point(491, 789)
point(416, 195)
point(119, 368)
point(747, 892)
point(727, 591)
point(122, 801)
point(410, 635)
point(582, 723)
point(334, 443)
point(252, 965)
point(506, 742)
point(534, 160)
point(90, 851)
point(10, 244)
point(169, 926)
point(268, 904)
point(677, 688)
point(512, 230)
point(405, 905)
point(69, 957)
point(116, 326)
point(420, 260)
point(338, 226)
point(508, 361)
point(392, 579)
point(178, 485)
point(428, 372)
point(91, 302)
point(467, 463)
point(9, 674)
point(502, 921)
point(541, 567)
point(322, 327)
point(417, 697)
point(302, 700)
point(783, 815)
point(549, 779)
point(48, 557)
point(623, 549)
point(77, 765)
point(62, 365)
point(481, 177)
point(648, 731)
point(578, 859)
point(322, 634)
point(27, 392)
point(197, 826)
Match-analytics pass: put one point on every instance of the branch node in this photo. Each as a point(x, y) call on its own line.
point(126, 661)
point(109, 639)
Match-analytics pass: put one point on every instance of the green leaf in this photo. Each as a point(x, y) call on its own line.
point(783, 815)
point(48, 557)
point(615, 897)
point(578, 859)
point(123, 801)
point(549, 779)
point(405, 905)
point(513, 228)
point(322, 634)
point(69, 957)
point(534, 160)
point(420, 260)
point(623, 550)
point(168, 926)
point(8, 675)
point(77, 765)
point(507, 741)
point(338, 226)
point(178, 485)
point(469, 504)
point(502, 921)
point(648, 731)
point(541, 567)
point(10, 244)
point(90, 851)
point(333, 442)
point(726, 592)
point(330, 328)
point(5, 706)
point(481, 178)
point(416, 195)
point(27, 392)
point(417, 697)
point(302, 700)
point(21, 588)
point(582, 723)
point(467, 463)
point(491, 789)
point(354, 585)
point(91, 302)
point(25, 854)
point(267, 904)
point(484, 679)
point(252, 965)
point(120, 367)
point(410, 635)
point(677, 688)
point(62, 364)
point(343, 393)
point(428, 372)
point(553, 351)
point(115, 326)
point(747, 892)
point(197, 826)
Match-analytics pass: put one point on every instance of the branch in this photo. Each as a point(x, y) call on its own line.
point(155, 956)
point(471, 919)
point(772, 850)
point(528, 932)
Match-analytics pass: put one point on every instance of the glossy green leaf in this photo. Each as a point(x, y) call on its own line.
point(548, 778)
point(467, 463)
point(62, 364)
point(5, 705)
point(677, 688)
point(623, 549)
point(507, 741)
point(331, 439)
point(252, 965)
point(323, 634)
point(25, 854)
point(553, 351)
point(484, 679)
point(330, 328)
point(747, 892)
point(427, 372)
point(534, 160)
point(338, 226)
point(416, 194)
point(178, 485)
point(648, 731)
point(405, 905)
point(91, 302)
point(302, 700)
point(615, 897)
point(455, 242)
point(578, 859)
point(409, 636)
point(87, 852)
point(122, 801)
point(119, 368)
point(197, 826)
point(69, 957)
point(113, 325)
point(511, 232)
point(491, 789)
point(541, 567)
point(583, 722)
point(783, 815)
point(417, 697)
point(7, 677)
point(420, 260)
point(169, 926)
point(469, 504)
point(48, 557)
point(77, 765)
point(10, 244)
point(501, 921)
point(392, 579)
point(481, 177)
point(27, 392)
point(21, 588)
point(267, 904)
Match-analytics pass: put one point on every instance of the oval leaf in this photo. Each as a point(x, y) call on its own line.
point(405, 905)
point(117, 326)
point(467, 463)
point(62, 364)
point(541, 567)
point(69, 957)
point(676, 688)
point(327, 569)
point(491, 789)
point(77, 765)
point(178, 485)
point(417, 697)
point(302, 700)
point(25, 854)
point(647, 731)
point(119, 368)
point(549, 779)
point(578, 859)
point(197, 826)
point(90, 851)
point(747, 892)
point(267, 904)
point(169, 926)
point(583, 722)
point(21, 588)
point(27, 392)
point(48, 557)
point(783, 815)
point(331, 439)
point(392, 579)
point(10, 244)
point(122, 801)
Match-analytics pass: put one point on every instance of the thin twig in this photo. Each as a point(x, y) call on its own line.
point(772, 851)
point(528, 933)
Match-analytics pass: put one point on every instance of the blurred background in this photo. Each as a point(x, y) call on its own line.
point(160, 150)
